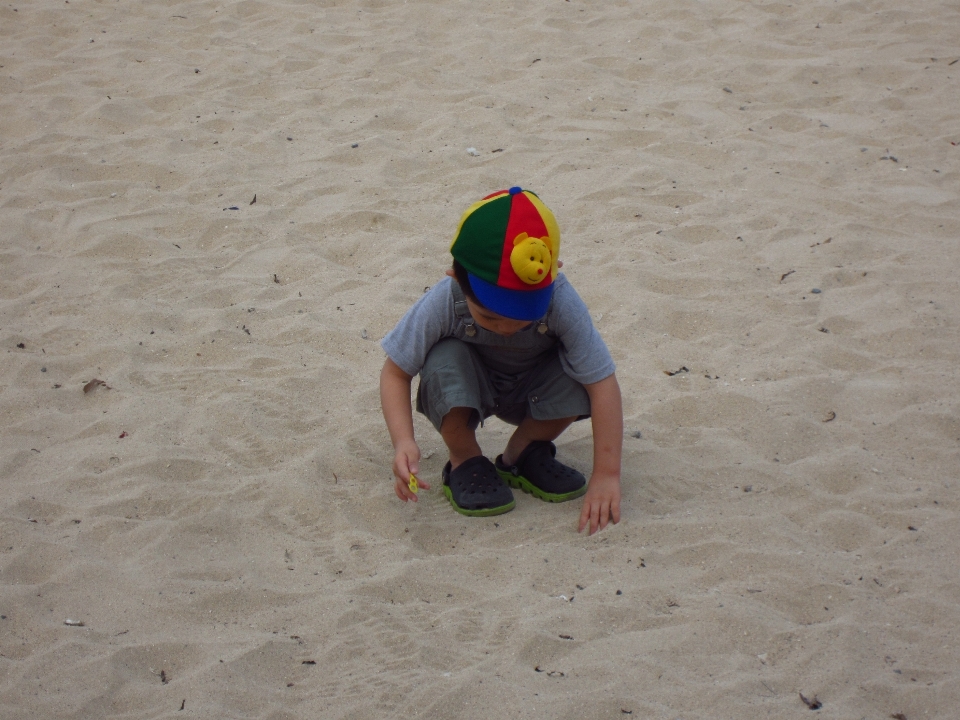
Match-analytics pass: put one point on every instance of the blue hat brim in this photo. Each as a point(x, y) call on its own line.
point(514, 304)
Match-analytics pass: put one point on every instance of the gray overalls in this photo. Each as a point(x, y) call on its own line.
point(509, 377)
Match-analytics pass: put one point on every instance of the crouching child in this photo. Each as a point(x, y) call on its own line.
point(505, 334)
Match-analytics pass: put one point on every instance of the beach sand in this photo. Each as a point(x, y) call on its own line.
point(761, 196)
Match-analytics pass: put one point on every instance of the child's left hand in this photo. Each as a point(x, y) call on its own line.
point(601, 504)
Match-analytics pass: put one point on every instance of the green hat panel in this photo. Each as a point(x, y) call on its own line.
point(479, 242)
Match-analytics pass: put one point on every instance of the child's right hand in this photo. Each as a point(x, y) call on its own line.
point(406, 462)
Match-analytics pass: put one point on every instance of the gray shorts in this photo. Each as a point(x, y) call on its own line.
point(455, 376)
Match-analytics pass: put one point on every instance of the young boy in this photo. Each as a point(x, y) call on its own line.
point(505, 334)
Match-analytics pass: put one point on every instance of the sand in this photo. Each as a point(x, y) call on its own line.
point(761, 196)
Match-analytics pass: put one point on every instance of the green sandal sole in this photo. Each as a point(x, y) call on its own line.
point(486, 512)
point(521, 483)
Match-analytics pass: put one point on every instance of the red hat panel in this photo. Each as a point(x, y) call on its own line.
point(524, 218)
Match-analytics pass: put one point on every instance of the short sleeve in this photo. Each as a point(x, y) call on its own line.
point(431, 318)
point(583, 353)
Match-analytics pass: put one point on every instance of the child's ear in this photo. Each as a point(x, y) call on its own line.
point(450, 273)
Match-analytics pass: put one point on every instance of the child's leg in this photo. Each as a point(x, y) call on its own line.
point(458, 435)
point(531, 429)
point(455, 394)
point(545, 404)
point(549, 402)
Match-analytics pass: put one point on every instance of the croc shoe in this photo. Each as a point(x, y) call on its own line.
point(476, 489)
point(537, 472)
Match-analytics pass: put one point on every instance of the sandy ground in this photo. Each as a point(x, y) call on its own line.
point(761, 196)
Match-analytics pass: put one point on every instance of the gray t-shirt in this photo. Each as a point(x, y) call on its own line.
point(583, 354)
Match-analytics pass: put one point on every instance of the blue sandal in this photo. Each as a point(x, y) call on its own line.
point(476, 489)
point(537, 472)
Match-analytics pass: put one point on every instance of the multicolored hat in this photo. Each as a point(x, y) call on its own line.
point(509, 243)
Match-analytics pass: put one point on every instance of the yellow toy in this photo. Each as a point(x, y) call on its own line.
point(414, 487)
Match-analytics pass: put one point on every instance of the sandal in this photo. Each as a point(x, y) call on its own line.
point(537, 472)
point(476, 489)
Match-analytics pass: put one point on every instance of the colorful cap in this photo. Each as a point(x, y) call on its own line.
point(509, 243)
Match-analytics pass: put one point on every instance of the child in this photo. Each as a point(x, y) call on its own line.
point(505, 334)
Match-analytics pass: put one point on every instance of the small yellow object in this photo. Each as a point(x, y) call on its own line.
point(414, 487)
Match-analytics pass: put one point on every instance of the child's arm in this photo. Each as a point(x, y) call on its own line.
point(602, 501)
point(395, 401)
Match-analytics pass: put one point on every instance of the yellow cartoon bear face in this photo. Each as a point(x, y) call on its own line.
point(531, 259)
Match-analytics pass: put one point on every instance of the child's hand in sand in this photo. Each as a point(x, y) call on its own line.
point(406, 462)
point(601, 504)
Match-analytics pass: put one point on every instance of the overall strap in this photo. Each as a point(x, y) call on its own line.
point(459, 301)
point(461, 310)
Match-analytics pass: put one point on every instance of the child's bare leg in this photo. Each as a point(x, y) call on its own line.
point(459, 437)
point(530, 430)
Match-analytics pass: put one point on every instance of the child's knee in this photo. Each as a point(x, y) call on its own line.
point(460, 419)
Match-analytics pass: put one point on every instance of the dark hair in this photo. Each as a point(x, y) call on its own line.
point(463, 280)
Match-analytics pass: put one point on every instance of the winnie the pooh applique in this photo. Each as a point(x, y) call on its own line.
point(531, 258)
